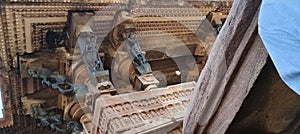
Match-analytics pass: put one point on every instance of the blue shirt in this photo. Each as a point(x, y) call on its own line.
point(279, 28)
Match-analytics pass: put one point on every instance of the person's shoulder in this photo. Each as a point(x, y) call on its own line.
point(279, 15)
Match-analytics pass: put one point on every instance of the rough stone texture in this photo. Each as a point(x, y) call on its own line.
point(7, 103)
point(234, 64)
point(25, 125)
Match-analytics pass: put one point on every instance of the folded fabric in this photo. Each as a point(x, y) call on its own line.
point(279, 28)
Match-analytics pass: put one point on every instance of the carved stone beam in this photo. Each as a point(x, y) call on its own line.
point(233, 66)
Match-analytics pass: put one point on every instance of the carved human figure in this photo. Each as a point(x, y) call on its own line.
point(116, 124)
point(163, 98)
point(150, 115)
point(126, 120)
point(89, 49)
point(108, 111)
point(135, 118)
point(162, 111)
point(153, 113)
point(171, 108)
point(135, 52)
point(145, 116)
point(176, 95)
point(127, 106)
point(102, 122)
point(169, 97)
point(136, 104)
point(158, 100)
point(181, 94)
point(144, 103)
point(119, 108)
point(153, 101)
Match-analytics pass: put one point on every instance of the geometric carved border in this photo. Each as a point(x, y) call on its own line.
point(7, 119)
point(28, 28)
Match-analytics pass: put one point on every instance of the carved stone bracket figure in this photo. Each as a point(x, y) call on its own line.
point(135, 52)
point(89, 50)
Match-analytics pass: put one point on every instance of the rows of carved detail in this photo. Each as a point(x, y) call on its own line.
point(127, 122)
point(67, 1)
point(14, 20)
point(3, 55)
point(153, 108)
